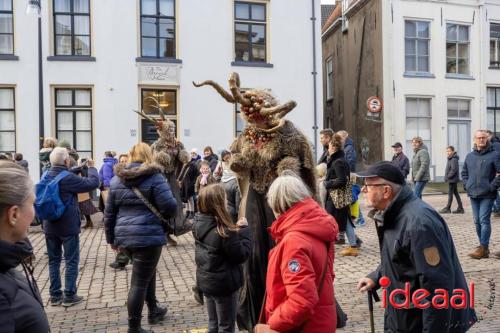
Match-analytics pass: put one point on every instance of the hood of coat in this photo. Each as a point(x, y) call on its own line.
point(203, 224)
point(306, 217)
point(11, 255)
point(110, 160)
point(134, 174)
point(483, 151)
point(348, 142)
point(454, 155)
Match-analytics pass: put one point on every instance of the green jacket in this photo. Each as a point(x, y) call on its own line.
point(420, 166)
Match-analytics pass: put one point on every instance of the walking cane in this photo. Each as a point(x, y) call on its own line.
point(371, 296)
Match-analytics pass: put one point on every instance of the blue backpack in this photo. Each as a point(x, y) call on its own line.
point(48, 204)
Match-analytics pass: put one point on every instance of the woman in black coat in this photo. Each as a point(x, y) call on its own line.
point(21, 307)
point(337, 177)
point(187, 179)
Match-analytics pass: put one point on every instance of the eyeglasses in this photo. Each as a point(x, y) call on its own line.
point(366, 186)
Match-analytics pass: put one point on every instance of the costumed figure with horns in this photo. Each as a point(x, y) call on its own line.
point(267, 146)
point(171, 155)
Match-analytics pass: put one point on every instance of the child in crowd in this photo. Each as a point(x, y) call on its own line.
point(205, 178)
point(18, 158)
point(221, 248)
point(321, 172)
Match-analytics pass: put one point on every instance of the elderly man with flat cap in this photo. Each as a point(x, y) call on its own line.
point(416, 247)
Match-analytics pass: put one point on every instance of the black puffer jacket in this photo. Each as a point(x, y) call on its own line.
point(218, 259)
point(212, 161)
point(451, 174)
point(21, 309)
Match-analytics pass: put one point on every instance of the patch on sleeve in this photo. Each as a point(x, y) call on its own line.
point(431, 255)
point(294, 266)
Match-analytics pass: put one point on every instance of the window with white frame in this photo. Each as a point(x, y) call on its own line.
point(158, 28)
point(417, 44)
point(458, 108)
point(7, 120)
point(493, 110)
point(72, 27)
point(418, 122)
point(74, 118)
point(495, 45)
point(167, 100)
point(6, 27)
point(250, 31)
point(457, 49)
point(329, 78)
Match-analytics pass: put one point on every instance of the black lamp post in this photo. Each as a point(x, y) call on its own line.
point(34, 7)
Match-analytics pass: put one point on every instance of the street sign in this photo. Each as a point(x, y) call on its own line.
point(374, 104)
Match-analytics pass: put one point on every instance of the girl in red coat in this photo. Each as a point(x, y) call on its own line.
point(299, 283)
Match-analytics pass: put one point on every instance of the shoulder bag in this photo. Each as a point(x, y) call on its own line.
point(342, 197)
point(153, 209)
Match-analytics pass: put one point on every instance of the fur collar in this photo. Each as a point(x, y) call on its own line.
point(136, 170)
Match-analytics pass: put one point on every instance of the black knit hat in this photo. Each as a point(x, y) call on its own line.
point(383, 170)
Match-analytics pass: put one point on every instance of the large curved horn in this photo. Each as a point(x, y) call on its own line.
point(275, 128)
point(157, 106)
point(234, 85)
point(142, 114)
point(282, 109)
point(227, 96)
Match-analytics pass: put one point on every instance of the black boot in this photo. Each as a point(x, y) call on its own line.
point(156, 314)
point(134, 326)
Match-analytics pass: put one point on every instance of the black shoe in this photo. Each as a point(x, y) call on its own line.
point(117, 265)
point(458, 211)
point(156, 315)
point(198, 295)
point(445, 210)
point(171, 241)
point(72, 300)
point(358, 241)
point(340, 241)
point(139, 330)
point(55, 300)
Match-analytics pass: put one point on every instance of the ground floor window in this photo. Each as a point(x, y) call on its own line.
point(167, 101)
point(418, 122)
point(74, 119)
point(493, 110)
point(459, 132)
point(7, 121)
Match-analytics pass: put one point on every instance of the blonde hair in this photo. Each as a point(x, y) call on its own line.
point(140, 153)
point(49, 142)
point(286, 191)
point(212, 201)
point(15, 185)
point(321, 170)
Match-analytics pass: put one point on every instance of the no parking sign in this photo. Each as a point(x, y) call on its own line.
point(374, 104)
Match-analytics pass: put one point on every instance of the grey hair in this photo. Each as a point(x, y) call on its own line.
point(396, 188)
point(285, 191)
point(58, 156)
point(15, 185)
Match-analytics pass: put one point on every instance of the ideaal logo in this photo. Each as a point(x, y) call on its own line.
point(441, 299)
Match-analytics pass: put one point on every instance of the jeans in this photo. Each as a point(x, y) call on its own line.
point(453, 191)
point(221, 313)
point(481, 211)
point(419, 188)
point(143, 284)
point(351, 234)
point(55, 246)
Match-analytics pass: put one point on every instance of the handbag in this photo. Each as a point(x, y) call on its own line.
point(342, 197)
point(262, 327)
point(153, 209)
point(83, 197)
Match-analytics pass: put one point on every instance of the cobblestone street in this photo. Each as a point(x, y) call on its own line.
point(105, 290)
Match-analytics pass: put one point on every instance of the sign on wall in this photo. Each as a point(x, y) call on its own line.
point(374, 105)
point(164, 74)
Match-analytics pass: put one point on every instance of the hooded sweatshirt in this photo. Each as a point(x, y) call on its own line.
point(303, 235)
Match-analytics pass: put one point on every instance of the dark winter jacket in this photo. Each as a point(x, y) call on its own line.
point(338, 171)
point(21, 306)
point(350, 154)
point(106, 172)
point(69, 223)
point(218, 259)
point(420, 166)
point(324, 156)
point(479, 173)
point(187, 178)
point(451, 174)
point(402, 163)
point(233, 196)
point(416, 247)
point(44, 156)
point(212, 161)
point(128, 221)
point(495, 142)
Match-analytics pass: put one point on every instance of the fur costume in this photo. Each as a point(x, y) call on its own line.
point(266, 147)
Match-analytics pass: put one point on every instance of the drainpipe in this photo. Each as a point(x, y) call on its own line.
point(314, 74)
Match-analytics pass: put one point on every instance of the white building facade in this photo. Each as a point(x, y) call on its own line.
point(441, 74)
point(102, 58)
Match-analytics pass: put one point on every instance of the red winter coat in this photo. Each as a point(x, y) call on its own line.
point(295, 268)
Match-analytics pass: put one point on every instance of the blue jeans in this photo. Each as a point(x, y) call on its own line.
point(350, 233)
point(55, 246)
point(481, 211)
point(419, 188)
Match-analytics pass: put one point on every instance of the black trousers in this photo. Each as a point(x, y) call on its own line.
point(143, 284)
point(221, 313)
point(453, 191)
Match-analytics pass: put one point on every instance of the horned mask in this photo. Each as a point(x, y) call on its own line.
point(165, 127)
point(258, 107)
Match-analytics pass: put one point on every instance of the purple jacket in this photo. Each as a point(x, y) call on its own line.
point(106, 172)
